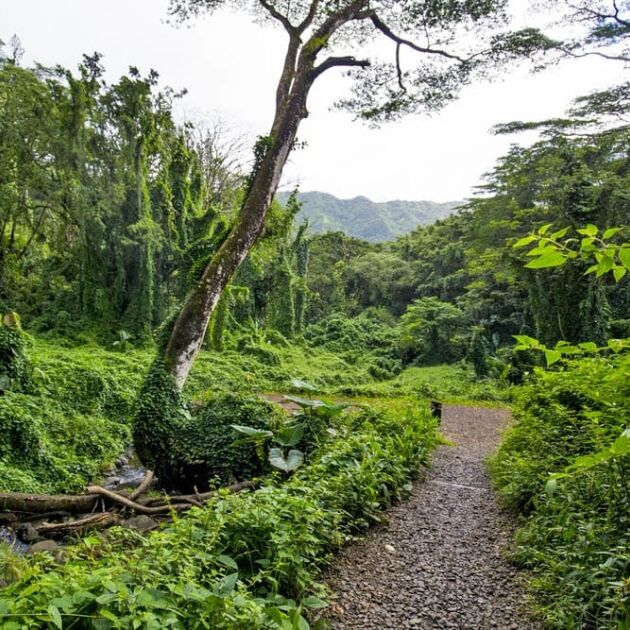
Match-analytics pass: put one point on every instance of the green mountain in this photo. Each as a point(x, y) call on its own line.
point(362, 218)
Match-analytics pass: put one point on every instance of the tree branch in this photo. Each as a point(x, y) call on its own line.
point(400, 41)
point(595, 53)
point(336, 62)
point(308, 20)
point(278, 16)
point(399, 71)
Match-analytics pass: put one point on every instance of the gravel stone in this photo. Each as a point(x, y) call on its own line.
point(446, 569)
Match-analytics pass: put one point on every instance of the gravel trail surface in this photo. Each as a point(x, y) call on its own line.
point(438, 562)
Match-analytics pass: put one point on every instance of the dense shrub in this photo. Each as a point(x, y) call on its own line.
point(577, 537)
point(562, 415)
point(46, 446)
point(366, 340)
point(234, 563)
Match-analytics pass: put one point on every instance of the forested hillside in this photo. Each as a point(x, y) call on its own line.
point(365, 219)
point(152, 483)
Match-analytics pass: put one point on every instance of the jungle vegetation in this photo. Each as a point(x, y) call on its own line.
point(113, 218)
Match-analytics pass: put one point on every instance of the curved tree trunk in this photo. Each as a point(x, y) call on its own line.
point(190, 327)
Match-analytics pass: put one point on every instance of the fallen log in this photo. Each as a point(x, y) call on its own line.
point(137, 507)
point(43, 503)
point(164, 504)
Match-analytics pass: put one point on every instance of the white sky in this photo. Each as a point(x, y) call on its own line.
point(230, 67)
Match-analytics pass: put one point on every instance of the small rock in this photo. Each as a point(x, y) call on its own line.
point(389, 548)
point(45, 545)
point(27, 533)
point(141, 523)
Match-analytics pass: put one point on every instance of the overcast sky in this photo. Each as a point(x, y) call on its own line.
point(230, 67)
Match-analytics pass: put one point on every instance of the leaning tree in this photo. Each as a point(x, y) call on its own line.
point(436, 46)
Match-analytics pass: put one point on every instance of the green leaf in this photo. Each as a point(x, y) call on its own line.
point(552, 356)
point(304, 402)
point(227, 561)
point(298, 384)
point(606, 264)
point(314, 602)
point(551, 486)
point(624, 257)
point(541, 250)
point(544, 229)
point(287, 464)
point(289, 436)
point(559, 234)
point(588, 346)
point(295, 459)
point(227, 584)
point(552, 259)
point(610, 232)
point(526, 240)
point(619, 273)
point(55, 616)
point(589, 230)
point(527, 342)
point(621, 446)
point(252, 432)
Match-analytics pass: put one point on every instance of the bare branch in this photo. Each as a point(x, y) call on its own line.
point(595, 53)
point(400, 41)
point(399, 71)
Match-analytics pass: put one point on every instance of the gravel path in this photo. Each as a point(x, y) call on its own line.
point(437, 564)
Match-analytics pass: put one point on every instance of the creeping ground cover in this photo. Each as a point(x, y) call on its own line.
point(248, 560)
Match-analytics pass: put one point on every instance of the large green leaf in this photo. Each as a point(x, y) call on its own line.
point(289, 435)
point(287, 464)
point(252, 432)
point(551, 259)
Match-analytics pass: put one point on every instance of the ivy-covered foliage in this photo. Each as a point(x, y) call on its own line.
point(189, 449)
point(13, 363)
point(249, 560)
point(71, 421)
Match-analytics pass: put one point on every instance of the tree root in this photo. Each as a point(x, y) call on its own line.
point(92, 521)
point(36, 507)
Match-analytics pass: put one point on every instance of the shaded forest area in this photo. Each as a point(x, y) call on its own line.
point(110, 212)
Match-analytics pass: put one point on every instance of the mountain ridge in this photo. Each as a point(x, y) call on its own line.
point(366, 219)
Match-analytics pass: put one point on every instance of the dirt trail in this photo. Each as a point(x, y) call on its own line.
point(438, 563)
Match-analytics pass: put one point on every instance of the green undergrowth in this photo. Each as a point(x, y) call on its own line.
point(576, 541)
point(449, 383)
point(74, 417)
point(249, 560)
point(71, 419)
